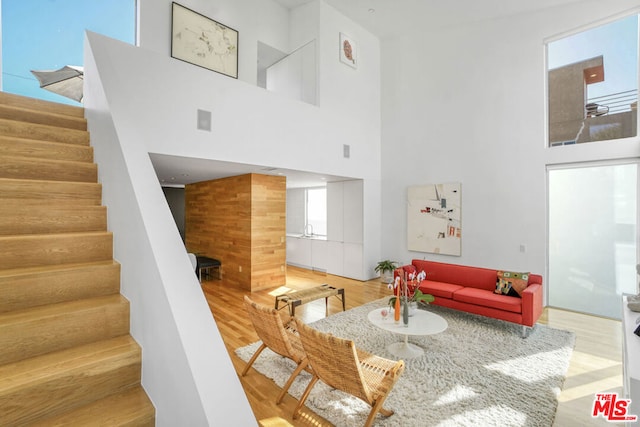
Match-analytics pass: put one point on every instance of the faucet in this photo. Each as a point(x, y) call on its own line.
point(306, 228)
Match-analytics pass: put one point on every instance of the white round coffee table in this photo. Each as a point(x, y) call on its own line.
point(421, 323)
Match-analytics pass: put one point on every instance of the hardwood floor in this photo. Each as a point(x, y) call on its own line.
point(595, 366)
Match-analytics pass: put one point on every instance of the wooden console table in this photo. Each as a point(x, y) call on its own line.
point(296, 298)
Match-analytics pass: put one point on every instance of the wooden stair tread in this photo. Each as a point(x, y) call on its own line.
point(30, 115)
point(13, 273)
point(129, 408)
point(54, 235)
point(43, 132)
point(13, 145)
point(52, 384)
point(54, 327)
point(56, 204)
point(41, 105)
point(30, 250)
point(48, 365)
point(18, 218)
point(23, 288)
point(54, 310)
point(20, 167)
point(74, 192)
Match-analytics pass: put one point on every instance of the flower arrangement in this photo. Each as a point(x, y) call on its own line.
point(406, 286)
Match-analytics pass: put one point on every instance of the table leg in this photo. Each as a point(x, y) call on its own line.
point(404, 349)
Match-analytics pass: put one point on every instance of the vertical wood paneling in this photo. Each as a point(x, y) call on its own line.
point(268, 231)
point(240, 221)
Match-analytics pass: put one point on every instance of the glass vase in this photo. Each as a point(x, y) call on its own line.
point(405, 311)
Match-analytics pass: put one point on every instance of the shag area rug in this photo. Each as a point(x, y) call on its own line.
point(478, 372)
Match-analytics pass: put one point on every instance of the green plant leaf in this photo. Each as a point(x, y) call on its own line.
point(385, 265)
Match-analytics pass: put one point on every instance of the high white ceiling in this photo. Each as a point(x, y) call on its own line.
point(388, 18)
point(383, 18)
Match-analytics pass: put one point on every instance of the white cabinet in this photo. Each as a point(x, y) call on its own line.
point(345, 211)
point(353, 260)
point(353, 212)
point(335, 211)
point(299, 252)
point(307, 253)
point(630, 357)
point(335, 258)
point(345, 229)
point(319, 254)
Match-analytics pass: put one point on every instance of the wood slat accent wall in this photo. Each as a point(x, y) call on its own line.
point(241, 221)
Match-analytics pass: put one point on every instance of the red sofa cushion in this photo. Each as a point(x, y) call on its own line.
point(439, 289)
point(488, 299)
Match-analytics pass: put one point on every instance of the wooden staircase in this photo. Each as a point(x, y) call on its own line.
point(66, 356)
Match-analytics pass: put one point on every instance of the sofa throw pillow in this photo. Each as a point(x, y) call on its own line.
point(405, 269)
point(511, 283)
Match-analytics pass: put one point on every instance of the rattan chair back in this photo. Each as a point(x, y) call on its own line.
point(338, 363)
point(278, 337)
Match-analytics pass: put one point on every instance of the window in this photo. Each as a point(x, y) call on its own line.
point(49, 34)
point(593, 84)
point(316, 211)
point(592, 236)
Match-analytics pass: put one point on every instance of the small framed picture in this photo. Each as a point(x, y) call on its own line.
point(348, 51)
point(204, 42)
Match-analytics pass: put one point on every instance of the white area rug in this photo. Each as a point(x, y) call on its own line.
point(479, 372)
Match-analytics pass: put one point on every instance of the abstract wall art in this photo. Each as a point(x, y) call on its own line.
point(434, 215)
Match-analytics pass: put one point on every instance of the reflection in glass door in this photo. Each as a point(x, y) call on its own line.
point(592, 237)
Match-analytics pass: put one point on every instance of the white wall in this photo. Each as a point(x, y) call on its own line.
point(467, 104)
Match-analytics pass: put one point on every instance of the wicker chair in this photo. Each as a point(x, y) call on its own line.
point(278, 337)
point(339, 364)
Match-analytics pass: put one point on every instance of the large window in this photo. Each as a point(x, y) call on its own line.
point(593, 84)
point(316, 211)
point(592, 236)
point(49, 34)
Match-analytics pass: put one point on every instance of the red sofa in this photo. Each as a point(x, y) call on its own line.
point(471, 289)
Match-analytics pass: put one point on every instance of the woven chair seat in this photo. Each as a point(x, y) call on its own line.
point(303, 296)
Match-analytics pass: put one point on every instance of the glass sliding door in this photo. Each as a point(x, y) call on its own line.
point(592, 236)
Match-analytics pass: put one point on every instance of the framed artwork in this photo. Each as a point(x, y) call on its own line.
point(348, 51)
point(434, 214)
point(204, 42)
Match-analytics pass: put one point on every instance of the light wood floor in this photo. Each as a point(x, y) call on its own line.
point(595, 366)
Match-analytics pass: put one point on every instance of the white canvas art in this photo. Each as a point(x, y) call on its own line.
point(434, 215)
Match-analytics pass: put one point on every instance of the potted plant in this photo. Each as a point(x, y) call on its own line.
point(386, 267)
